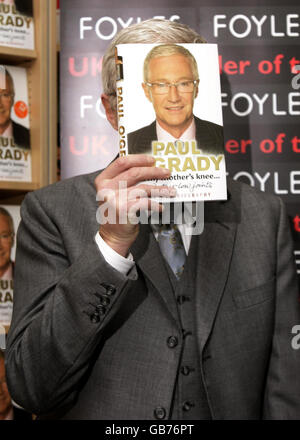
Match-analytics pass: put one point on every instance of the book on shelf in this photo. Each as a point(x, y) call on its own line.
point(17, 24)
point(9, 222)
point(169, 106)
point(15, 147)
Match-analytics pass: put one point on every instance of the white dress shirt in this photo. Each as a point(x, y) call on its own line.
point(189, 134)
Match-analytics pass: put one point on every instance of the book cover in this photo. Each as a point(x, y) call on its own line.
point(9, 222)
point(169, 106)
point(17, 24)
point(15, 149)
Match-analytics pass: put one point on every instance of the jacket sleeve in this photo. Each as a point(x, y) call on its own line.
point(282, 393)
point(61, 311)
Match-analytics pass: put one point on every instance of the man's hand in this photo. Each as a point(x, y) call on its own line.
point(118, 187)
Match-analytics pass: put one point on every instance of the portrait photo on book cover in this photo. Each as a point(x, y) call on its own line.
point(14, 117)
point(174, 92)
point(24, 7)
point(9, 222)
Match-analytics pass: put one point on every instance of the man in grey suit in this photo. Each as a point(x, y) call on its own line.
point(102, 329)
point(171, 82)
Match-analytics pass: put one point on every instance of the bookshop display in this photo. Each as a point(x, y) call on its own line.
point(9, 222)
point(17, 24)
point(15, 148)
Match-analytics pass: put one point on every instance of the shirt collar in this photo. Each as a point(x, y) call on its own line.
point(8, 274)
point(10, 415)
point(8, 132)
point(190, 133)
point(163, 135)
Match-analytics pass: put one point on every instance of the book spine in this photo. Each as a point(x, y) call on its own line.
point(120, 104)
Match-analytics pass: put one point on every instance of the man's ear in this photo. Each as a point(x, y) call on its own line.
point(196, 90)
point(147, 92)
point(111, 115)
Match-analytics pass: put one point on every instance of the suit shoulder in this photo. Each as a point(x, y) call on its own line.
point(62, 193)
point(20, 129)
point(209, 123)
point(21, 135)
point(253, 199)
point(140, 131)
point(132, 134)
point(19, 126)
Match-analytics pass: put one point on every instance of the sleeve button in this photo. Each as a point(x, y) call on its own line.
point(100, 309)
point(110, 290)
point(104, 300)
point(95, 318)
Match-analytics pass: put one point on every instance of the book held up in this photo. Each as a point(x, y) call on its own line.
point(169, 106)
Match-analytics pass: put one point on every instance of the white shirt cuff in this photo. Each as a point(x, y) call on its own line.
point(121, 264)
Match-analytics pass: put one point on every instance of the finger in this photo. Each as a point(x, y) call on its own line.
point(131, 178)
point(135, 175)
point(145, 206)
point(124, 163)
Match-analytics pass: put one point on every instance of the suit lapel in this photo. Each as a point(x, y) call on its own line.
point(211, 255)
point(149, 259)
point(214, 251)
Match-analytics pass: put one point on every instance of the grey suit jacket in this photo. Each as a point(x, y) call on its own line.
point(209, 138)
point(72, 355)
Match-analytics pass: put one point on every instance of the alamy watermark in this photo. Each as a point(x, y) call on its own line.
point(296, 339)
point(139, 205)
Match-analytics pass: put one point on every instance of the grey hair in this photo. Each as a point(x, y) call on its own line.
point(148, 31)
point(167, 50)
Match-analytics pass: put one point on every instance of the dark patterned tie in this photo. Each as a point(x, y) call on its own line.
point(172, 248)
